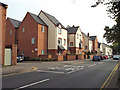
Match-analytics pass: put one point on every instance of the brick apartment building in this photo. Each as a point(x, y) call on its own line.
point(3, 9)
point(95, 44)
point(57, 34)
point(32, 38)
point(12, 26)
point(75, 40)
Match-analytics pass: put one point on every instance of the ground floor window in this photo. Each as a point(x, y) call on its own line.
point(42, 52)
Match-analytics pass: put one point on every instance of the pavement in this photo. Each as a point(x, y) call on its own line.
point(66, 74)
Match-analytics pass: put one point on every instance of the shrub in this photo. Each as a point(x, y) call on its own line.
point(26, 58)
point(36, 59)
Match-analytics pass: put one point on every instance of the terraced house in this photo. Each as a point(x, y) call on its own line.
point(57, 34)
point(88, 46)
point(12, 26)
point(95, 44)
point(33, 35)
point(75, 40)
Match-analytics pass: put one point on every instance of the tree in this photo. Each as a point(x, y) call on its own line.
point(112, 35)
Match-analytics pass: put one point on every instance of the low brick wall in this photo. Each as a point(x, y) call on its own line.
point(71, 57)
point(45, 56)
point(80, 57)
point(14, 54)
point(60, 57)
point(54, 57)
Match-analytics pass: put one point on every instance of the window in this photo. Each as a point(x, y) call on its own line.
point(71, 43)
point(43, 29)
point(42, 52)
point(64, 42)
point(33, 41)
point(10, 32)
point(77, 36)
point(85, 47)
point(22, 52)
point(59, 41)
point(23, 29)
point(59, 30)
point(67, 36)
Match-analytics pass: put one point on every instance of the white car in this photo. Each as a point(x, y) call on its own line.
point(116, 57)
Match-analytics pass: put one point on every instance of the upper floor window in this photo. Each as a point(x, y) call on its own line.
point(43, 29)
point(67, 36)
point(71, 43)
point(64, 41)
point(10, 32)
point(85, 47)
point(59, 41)
point(23, 29)
point(77, 36)
point(33, 40)
point(59, 30)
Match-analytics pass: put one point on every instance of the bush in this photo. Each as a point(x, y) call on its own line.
point(72, 54)
point(26, 58)
point(36, 59)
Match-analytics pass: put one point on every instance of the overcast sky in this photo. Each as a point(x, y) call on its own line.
point(68, 12)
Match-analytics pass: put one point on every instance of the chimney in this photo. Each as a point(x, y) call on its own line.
point(88, 34)
point(73, 25)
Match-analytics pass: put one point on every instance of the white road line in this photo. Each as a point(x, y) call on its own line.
point(92, 65)
point(50, 71)
point(74, 71)
point(33, 84)
point(100, 63)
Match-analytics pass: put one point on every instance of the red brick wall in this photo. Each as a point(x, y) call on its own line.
point(42, 40)
point(60, 57)
point(71, 57)
point(53, 51)
point(14, 54)
point(80, 57)
point(2, 33)
point(10, 39)
point(24, 38)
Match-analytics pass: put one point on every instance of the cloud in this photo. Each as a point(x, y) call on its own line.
point(73, 1)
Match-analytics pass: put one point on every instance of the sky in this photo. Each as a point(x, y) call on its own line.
point(68, 12)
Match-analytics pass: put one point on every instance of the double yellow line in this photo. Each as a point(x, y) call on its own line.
point(33, 69)
point(106, 83)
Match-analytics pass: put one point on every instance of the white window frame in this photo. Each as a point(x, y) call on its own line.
point(43, 29)
point(42, 52)
point(33, 41)
point(23, 29)
point(10, 32)
point(59, 30)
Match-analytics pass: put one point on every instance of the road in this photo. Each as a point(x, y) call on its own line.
point(78, 74)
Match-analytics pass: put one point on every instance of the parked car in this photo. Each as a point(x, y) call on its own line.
point(116, 57)
point(20, 58)
point(96, 58)
point(101, 57)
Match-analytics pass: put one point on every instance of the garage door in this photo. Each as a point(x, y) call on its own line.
point(8, 58)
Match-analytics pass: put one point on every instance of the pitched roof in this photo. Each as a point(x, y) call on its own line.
point(93, 38)
point(15, 23)
point(4, 5)
point(37, 19)
point(86, 35)
point(72, 30)
point(53, 19)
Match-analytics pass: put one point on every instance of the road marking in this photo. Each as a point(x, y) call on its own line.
point(34, 69)
point(100, 63)
point(74, 71)
point(50, 71)
point(110, 76)
point(33, 84)
point(92, 65)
